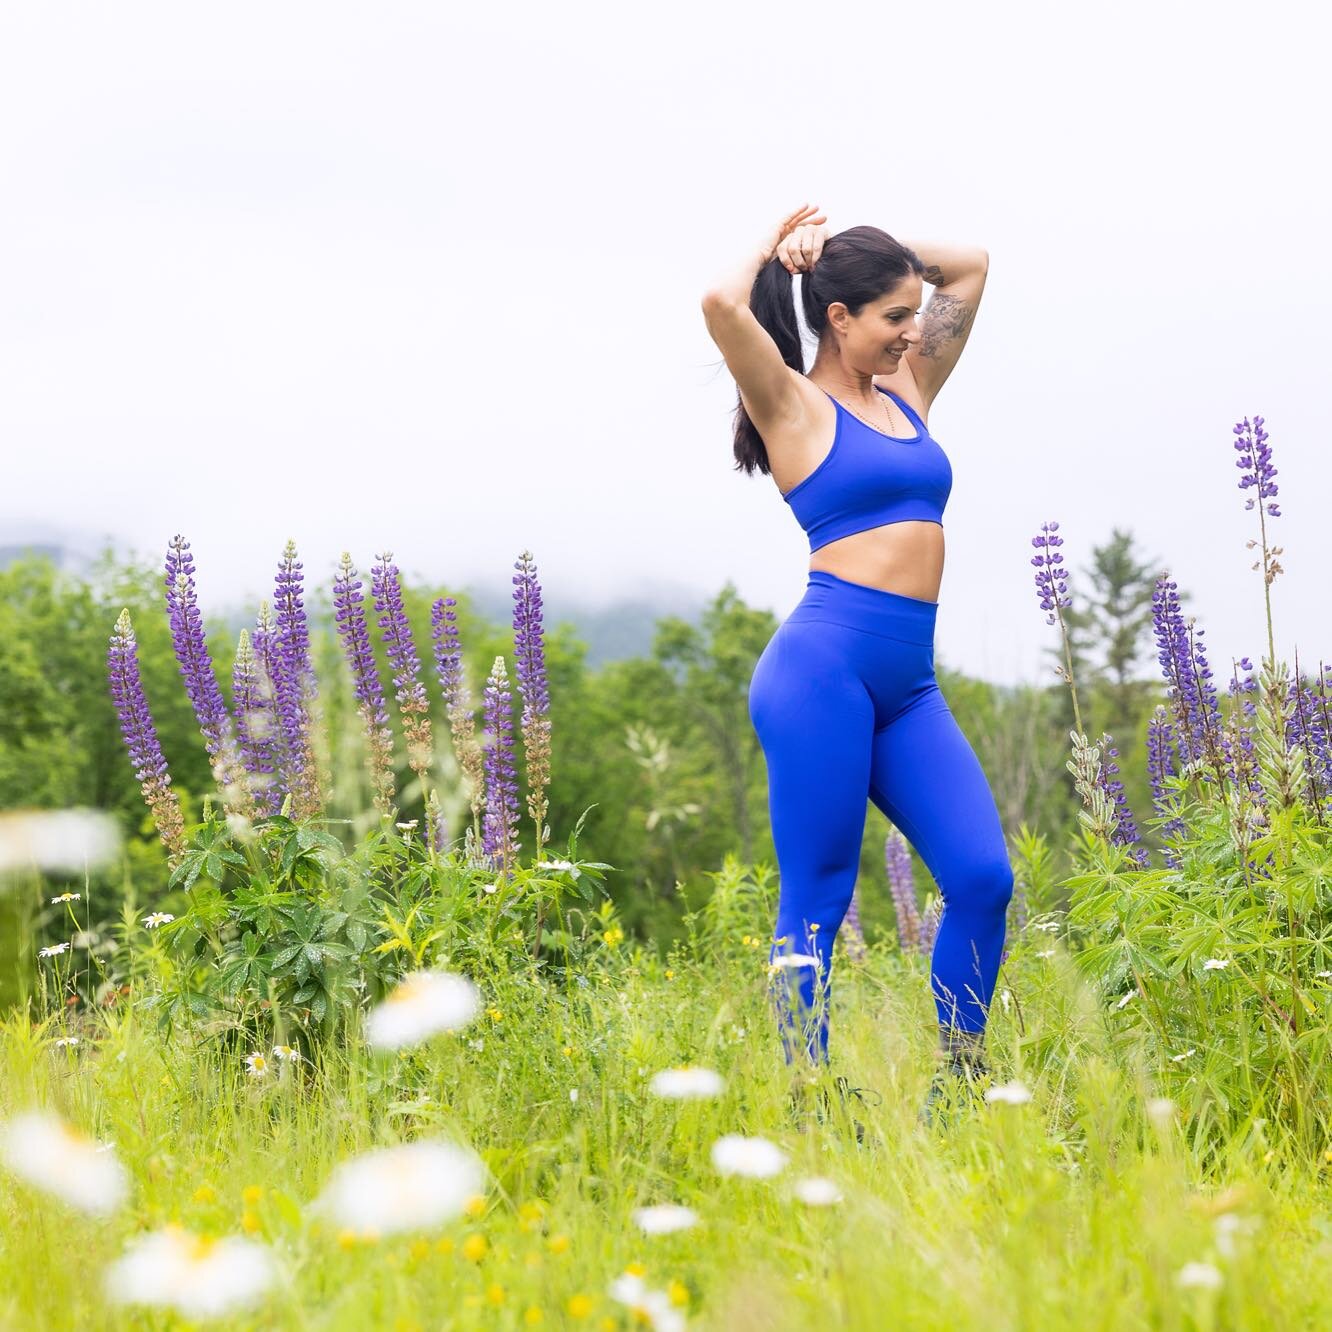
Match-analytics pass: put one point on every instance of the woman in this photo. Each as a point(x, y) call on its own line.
point(844, 697)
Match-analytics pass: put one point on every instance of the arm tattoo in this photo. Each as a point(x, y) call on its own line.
point(945, 317)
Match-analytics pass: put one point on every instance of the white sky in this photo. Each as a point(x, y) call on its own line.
point(428, 277)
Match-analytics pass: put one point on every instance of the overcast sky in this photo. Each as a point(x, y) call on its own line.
point(427, 277)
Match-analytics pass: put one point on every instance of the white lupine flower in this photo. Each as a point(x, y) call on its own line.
point(757, 1158)
point(197, 1275)
point(42, 1149)
point(793, 960)
point(409, 1187)
point(54, 949)
point(1185, 1055)
point(663, 1218)
point(156, 918)
point(654, 1305)
point(66, 897)
point(1199, 1274)
point(686, 1082)
point(817, 1191)
point(257, 1064)
point(1216, 963)
point(424, 1004)
point(1010, 1093)
point(60, 841)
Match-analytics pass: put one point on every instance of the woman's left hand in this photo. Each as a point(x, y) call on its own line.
point(800, 251)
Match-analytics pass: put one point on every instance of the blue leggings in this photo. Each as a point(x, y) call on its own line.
point(846, 705)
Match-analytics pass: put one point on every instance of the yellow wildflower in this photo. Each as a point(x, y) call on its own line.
point(495, 1293)
point(579, 1306)
point(475, 1247)
point(636, 1269)
point(558, 1243)
point(678, 1292)
point(205, 1193)
point(346, 1239)
point(475, 1205)
point(249, 1222)
point(444, 1244)
point(251, 1195)
point(532, 1316)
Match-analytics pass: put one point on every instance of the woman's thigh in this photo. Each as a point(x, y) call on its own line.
point(925, 777)
point(814, 717)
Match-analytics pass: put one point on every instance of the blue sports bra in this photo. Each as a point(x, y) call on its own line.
point(870, 478)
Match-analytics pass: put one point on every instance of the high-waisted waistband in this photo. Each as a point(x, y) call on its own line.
point(859, 606)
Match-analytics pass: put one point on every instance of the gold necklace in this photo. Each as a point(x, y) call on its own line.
point(887, 403)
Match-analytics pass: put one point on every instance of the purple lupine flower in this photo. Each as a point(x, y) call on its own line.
point(1162, 764)
point(1198, 731)
point(1255, 461)
point(855, 933)
point(457, 699)
point(136, 725)
point(255, 725)
point(1050, 581)
point(500, 836)
point(902, 887)
point(530, 664)
point(1125, 831)
point(190, 640)
point(349, 613)
point(295, 685)
point(413, 705)
point(268, 671)
point(1304, 729)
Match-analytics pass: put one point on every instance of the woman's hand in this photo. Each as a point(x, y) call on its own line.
point(798, 240)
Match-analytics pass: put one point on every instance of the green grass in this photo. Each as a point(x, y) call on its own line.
point(1075, 1210)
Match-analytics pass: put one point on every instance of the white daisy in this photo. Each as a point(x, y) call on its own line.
point(54, 950)
point(42, 1149)
point(1010, 1093)
point(257, 1064)
point(654, 1306)
point(408, 1187)
point(1216, 963)
point(65, 1040)
point(408, 826)
point(793, 960)
point(156, 918)
point(757, 1158)
point(687, 1081)
point(1199, 1274)
point(817, 1191)
point(573, 869)
point(58, 841)
point(427, 1002)
point(66, 897)
point(286, 1054)
point(663, 1218)
point(197, 1275)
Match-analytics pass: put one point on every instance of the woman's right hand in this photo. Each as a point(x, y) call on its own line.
point(800, 217)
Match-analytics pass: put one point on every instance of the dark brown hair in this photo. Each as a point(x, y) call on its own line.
point(856, 266)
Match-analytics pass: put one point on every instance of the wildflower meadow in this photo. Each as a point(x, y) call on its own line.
point(348, 1016)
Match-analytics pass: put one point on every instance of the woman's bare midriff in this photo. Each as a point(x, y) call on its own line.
point(906, 557)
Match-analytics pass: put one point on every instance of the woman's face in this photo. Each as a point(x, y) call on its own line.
point(884, 329)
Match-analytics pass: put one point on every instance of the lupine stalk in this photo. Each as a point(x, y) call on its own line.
point(349, 613)
point(1126, 830)
point(295, 685)
point(1097, 814)
point(255, 724)
point(854, 931)
point(1052, 585)
point(413, 705)
point(268, 670)
point(1160, 765)
point(145, 751)
point(530, 664)
point(458, 701)
point(500, 836)
point(902, 887)
point(190, 640)
point(1303, 733)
